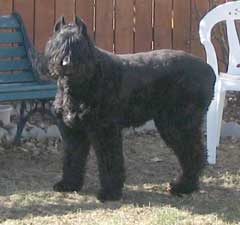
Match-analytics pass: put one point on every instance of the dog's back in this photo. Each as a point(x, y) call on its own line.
point(166, 69)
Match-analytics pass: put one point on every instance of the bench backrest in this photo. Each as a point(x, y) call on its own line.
point(15, 61)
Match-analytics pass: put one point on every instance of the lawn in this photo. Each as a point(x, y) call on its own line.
point(28, 172)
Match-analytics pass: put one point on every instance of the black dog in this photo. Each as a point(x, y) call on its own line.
point(100, 93)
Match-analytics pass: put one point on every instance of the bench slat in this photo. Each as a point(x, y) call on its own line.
point(19, 77)
point(32, 90)
point(11, 37)
point(37, 94)
point(25, 87)
point(22, 64)
point(12, 51)
point(8, 21)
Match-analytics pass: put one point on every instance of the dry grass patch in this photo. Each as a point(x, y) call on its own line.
point(27, 174)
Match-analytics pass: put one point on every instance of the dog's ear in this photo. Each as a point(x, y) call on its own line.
point(82, 26)
point(59, 24)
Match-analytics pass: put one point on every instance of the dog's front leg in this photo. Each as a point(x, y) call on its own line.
point(107, 142)
point(76, 150)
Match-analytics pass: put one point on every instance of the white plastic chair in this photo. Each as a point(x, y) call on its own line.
point(230, 80)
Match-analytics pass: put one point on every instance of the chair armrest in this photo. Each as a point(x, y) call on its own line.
point(211, 55)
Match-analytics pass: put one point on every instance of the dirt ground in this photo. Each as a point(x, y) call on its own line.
point(28, 172)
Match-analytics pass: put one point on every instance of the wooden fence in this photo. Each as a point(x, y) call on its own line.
point(122, 26)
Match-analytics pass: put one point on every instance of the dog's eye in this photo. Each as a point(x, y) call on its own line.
point(66, 61)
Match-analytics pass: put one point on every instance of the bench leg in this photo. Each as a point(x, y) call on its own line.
point(22, 122)
point(24, 118)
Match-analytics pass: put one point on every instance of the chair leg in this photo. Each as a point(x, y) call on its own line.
point(212, 125)
point(221, 100)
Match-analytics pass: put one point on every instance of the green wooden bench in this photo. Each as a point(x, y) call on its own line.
point(19, 79)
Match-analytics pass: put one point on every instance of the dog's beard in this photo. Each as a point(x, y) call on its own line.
point(55, 71)
point(69, 109)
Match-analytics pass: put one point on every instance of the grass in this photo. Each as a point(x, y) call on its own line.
point(28, 172)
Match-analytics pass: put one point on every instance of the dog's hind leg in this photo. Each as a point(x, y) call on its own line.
point(76, 150)
point(108, 146)
point(183, 134)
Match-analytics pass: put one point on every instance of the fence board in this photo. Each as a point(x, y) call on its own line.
point(6, 6)
point(163, 24)
point(124, 26)
point(65, 8)
point(218, 2)
point(143, 26)
point(85, 9)
point(26, 10)
point(44, 22)
point(219, 29)
point(184, 35)
point(182, 26)
point(104, 24)
point(199, 9)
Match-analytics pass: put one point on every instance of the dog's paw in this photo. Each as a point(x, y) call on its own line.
point(62, 186)
point(104, 196)
point(183, 186)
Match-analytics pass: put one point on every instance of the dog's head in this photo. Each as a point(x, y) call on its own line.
point(69, 50)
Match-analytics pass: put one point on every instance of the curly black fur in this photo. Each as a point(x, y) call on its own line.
point(100, 93)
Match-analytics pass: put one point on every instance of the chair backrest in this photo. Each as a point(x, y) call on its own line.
point(15, 65)
point(228, 12)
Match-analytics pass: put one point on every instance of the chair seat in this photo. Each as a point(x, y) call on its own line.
point(28, 90)
point(227, 76)
point(229, 82)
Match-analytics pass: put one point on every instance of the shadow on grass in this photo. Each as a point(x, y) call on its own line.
point(25, 174)
point(200, 203)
